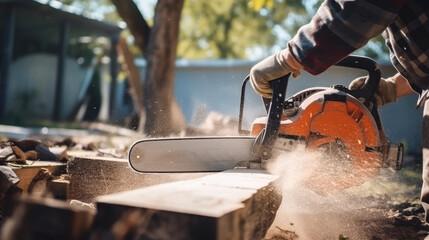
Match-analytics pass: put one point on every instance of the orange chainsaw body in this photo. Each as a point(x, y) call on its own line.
point(326, 116)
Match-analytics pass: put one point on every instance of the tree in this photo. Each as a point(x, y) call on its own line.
point(248, 29)
point(158, 44)
point(302, 12)
point(209, 29)
point(231, 29)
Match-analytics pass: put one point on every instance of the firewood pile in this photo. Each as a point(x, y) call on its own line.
point(19, 151)
point(35, 184)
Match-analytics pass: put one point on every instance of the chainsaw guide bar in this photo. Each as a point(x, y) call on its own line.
point(198, 154)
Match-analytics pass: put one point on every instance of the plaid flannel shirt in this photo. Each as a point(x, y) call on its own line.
point(342, 26)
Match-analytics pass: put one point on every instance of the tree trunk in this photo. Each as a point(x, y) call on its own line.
point(158, 44)
point(163, 116)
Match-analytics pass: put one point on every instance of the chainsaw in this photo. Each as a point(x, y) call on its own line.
point(341, 123)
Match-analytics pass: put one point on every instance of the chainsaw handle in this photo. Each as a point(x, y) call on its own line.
point(265, 140)
point(367, 91)
point(240, 114)
point(266, 101)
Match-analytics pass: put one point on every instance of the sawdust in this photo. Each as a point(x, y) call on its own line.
point(372, 210)
point(368, 211)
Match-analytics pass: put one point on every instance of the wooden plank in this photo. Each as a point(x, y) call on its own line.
point(236, 204)
point(134, 80)
point(26, 173)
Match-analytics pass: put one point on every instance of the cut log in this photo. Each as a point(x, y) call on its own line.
point(92, 176)
point(236, 204)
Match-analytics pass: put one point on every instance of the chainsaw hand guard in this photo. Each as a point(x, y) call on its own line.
point(265, 140)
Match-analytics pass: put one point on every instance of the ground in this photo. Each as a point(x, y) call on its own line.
point(386, 207)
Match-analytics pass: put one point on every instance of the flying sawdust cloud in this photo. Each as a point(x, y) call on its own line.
point(312, 213)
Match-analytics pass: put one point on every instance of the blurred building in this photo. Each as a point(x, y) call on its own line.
point(54, 59)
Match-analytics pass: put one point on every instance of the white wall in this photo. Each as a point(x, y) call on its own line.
point(35, 76)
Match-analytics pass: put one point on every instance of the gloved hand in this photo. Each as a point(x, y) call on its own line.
point(270, 69)
point(385, 93)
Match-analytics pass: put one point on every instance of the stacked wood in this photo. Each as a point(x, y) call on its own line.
point(236, 204)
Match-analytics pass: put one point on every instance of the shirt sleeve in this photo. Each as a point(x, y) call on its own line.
point(339, 28)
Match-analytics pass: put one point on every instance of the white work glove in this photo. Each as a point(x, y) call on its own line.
point(269, 69)
point(385, 93)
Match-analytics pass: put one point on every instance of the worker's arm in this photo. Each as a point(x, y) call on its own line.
point(338, 28)
point(402, 86)
point(388, 90)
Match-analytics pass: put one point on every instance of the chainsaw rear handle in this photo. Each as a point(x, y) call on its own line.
point(367, 91)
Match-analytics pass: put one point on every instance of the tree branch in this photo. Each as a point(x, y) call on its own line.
point(138, 26)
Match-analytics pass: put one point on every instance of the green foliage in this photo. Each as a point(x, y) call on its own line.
point(103, 8)
point(302, 12)
point(246, 29)
point(219, 29)
point(259, 4)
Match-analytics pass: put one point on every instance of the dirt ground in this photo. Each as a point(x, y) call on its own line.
point(386, 207)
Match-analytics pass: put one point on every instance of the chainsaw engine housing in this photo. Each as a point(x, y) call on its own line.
point(329, 120)
point(343, 124)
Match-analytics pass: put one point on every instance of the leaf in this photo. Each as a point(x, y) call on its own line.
point(257, 5)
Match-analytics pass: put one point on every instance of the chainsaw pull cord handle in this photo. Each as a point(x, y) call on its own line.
point(266, 138)
point(367, 91)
